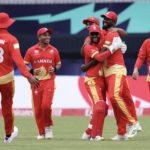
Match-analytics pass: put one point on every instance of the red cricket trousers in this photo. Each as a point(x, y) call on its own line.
point(7, 92)
point(121, 100)
point(42, 103)
point(96, 88)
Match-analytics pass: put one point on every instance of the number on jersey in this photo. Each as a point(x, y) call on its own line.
point(1, 55)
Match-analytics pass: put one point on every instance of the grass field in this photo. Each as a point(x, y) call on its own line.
point(67, 134)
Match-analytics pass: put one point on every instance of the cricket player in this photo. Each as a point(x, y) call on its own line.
point(117, 86)
point(45, 61)
point(118, 90)
point(94, 82)
point(95, 21)
point(143, 55)
point(9, 53)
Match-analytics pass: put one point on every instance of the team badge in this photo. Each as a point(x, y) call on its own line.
point(36, 51)
point(51, 51)
point(16, 45)
point(107, 42)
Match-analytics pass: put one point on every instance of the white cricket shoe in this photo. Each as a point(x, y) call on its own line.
point(48, 133)
point(97, 138)
point(120, 137)
point(133, 129)
point(40, 137)
point(8, 140)
point(85, 136)
point(139, 128)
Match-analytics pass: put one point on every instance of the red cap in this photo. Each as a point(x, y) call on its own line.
point(111, 15)
point(94, 28)
point(5, 20)
point(43, 30)
point(91, 19)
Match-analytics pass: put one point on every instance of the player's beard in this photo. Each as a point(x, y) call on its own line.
point(106, 25)
point(95, 40)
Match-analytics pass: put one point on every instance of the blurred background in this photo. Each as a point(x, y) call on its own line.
point(65, 18)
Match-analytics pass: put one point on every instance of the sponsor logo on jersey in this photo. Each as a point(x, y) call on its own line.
point(2, 41)
point(49, 61)
point(36, 52)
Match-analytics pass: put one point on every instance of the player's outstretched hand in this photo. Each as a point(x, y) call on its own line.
point(33, 81)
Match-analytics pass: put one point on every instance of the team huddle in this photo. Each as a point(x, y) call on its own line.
point(105, 73)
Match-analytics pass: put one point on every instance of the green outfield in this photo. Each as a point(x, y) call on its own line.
point(67, 134)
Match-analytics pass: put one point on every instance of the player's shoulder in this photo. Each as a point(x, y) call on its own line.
point(53, 48)
point(90, 47)
point(12, 38)
point(112, 33)
point(147, 41)
point(87, 39)
point(32, 48)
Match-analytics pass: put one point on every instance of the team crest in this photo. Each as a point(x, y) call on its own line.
point(36, 51)
point(51, 51)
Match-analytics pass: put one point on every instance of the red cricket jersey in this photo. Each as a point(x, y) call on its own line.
point(43, 60)
point(89, 52)
point(144, 53)
point(117, 56)
point(115, 63)
point(9, 52)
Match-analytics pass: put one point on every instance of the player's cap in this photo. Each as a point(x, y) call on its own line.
point(43, 30)
point(110, 15)
point(91, 19)
point(94, 28)
point(5, 20)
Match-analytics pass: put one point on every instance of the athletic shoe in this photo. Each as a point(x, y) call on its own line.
point(120, 137)
point(48, 133)
point(97, 138)
point(133, 129)
point(40, 137)
point(85, 136)
point(139, 128)
point(13, 135)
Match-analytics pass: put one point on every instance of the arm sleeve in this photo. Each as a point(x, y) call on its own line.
point(109, 39)
point(57, 57)
point(141, 56)
point(102, 56)
point(90, 51)
point(27, 57)
point(17, 58)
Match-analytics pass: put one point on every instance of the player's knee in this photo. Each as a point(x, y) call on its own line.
point(7, 114)
point(45, 107)
point(101, 107)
